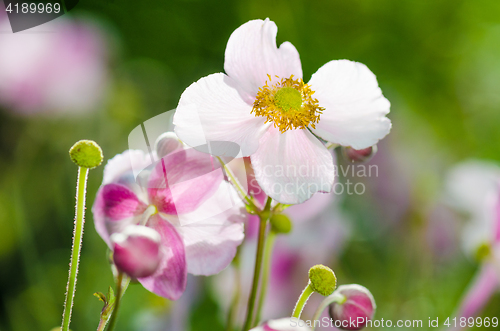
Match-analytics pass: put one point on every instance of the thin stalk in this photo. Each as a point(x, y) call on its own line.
point(104, 322)
point(335, 297)
point(119, 293)
point(244, 195)
point(102, 325)
point(233, 310)
point(77, 246)
point(268, 252)
point(264, 216)
point(302, 301)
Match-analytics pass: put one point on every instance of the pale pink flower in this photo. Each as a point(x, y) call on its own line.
point(473, 188)
point(262, 104)
point(173, 197)
point(57, 67)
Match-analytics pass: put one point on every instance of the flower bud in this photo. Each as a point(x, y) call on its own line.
point(359, 155)
point(136, 251)
point(86, 154)
point(167, 143)
point(322, 280)
point(280, 223)
point(355, 306)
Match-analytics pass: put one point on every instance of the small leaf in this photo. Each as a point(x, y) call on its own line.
point(101, 297)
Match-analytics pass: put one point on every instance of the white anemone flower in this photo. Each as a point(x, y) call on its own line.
point(263, 105)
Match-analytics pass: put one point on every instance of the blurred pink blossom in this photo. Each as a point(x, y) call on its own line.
point(57, 67)
point(172, 197)
point(473, 189)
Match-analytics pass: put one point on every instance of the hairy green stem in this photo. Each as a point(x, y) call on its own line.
point(264, 216)
point(268, 252)
point(102, 325)
point(77, 246)
point(304, 296)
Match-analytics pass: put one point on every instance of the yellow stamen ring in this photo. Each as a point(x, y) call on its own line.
point(288, 104)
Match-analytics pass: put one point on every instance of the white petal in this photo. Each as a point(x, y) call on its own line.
point(212, 233)
point(213, 110)
point(292, 166)
point(355, 107)
point(283, 324)
point(252, 54)
point(123, 164)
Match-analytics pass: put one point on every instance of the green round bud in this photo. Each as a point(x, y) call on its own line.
point(281, 223)
point(86, 154)
point(323, 280)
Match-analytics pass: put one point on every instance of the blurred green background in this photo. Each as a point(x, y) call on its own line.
point(438, 62)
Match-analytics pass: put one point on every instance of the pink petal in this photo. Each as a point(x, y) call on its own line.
point(497, 222)
point(484, 285)
point(120, 169)
point(355, 107)
point(136, 251)
point(252, 54)
point(181, 181)
point(170, 279)
point(213, 110)
point(114, 208)
point(118, 202)
point(292, 166)
point(359, 305)
point(211, 242)
point(167, 143)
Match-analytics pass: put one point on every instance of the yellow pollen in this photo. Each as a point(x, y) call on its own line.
point(288, 104)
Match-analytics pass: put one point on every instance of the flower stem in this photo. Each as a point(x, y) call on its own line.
point(120, 289)
point(299, 306)
point(102, 325)
point(76, 247)
point(268, 250)
point(264, 216)
point(335, 297)
point(233, 180)
point(233, 310)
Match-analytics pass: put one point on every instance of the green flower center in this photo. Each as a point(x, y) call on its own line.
point(288, 98)
point(86, 154)
point(322, 279)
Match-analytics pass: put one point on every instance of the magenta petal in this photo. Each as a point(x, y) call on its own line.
point(117, 202)
point(183, 180)
point(480, 291)
point(169, 280)
point(114, 203)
